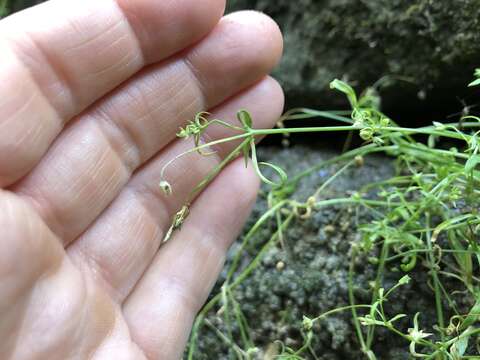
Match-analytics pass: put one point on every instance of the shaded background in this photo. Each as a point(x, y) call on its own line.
point(426, 49)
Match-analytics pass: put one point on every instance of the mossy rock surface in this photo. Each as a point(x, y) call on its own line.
point(435, 44)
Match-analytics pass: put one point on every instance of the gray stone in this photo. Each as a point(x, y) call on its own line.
point(433, 44)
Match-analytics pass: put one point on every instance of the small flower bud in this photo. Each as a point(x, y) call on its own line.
point(359, 160)
point(366, 134)
point(384, 122)
point(307, 323)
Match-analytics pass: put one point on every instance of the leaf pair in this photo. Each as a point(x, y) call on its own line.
point(249, 149)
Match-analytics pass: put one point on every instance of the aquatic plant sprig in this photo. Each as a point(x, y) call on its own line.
point(424, 216)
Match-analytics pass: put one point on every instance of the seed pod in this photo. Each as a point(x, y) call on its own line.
point(166, 187)
point(359, 161)
point(366, 134)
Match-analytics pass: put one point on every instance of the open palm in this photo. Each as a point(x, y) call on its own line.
point(92, 93)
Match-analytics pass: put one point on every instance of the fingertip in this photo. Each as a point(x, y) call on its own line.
point(267, 101)
point(185, 21)
point(261, 33)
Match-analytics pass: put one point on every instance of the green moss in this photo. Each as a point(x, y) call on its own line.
point(429, 42)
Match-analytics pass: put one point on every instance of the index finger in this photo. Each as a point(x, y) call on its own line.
point(60, 57)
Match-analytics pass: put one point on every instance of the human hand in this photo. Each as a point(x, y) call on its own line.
point(92, 93)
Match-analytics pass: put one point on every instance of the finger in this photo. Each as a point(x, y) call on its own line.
point(162, 307)
point(122, 242)
point(61, 56)
point(88, 165)
point(49, 310)
point(27, 254)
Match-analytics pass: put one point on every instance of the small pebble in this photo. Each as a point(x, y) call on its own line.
point(329, 229)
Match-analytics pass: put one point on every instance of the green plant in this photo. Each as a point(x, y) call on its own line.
point(426, 215)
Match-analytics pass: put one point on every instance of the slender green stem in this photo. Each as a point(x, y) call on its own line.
point(238, 280)
point(353, 306)
point(212, 174)
point(436, 282)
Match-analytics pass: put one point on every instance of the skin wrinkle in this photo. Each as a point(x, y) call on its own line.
point(43, 313)
point(122, 141)
point(111, 181)
point(132, 45)
point(34, 134)
point(8, 119)
point(207, 248)
point(87, 188)
point(50, 252)
point(140, 98)
point(131, 17)
point(197, 78)
point(20, 90)
point(180, 30)
point(125, 61)
point(62, 73)
point(118, 23)
point(173, 92)
point(104, 319)
point(149, 195)
point(152, 246)
point(141, 220)
point(54, 68)
point(33, 243)
point(122, 259)
point(15, 144)
point(150, 110)
point(102, 187)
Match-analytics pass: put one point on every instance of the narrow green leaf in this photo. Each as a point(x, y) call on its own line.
point(472, 316)
point(397, 317)
point(256, 165)
point(472, 162)
point(459, 347)
point(347, 90)
point(245, 118)
point(280, 172)
point(474, 83)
